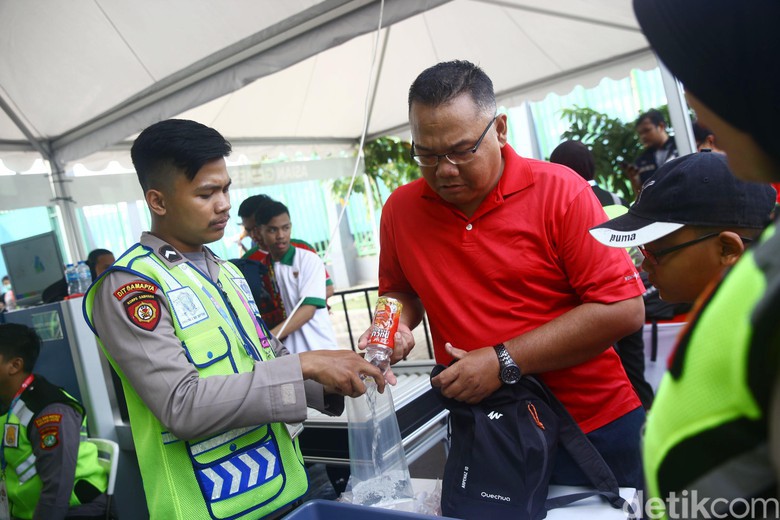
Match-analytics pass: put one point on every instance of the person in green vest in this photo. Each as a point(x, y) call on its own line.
point(48, 473)
point(723, 390)
point(215, 401)
point(692, 222)
point(711, 442)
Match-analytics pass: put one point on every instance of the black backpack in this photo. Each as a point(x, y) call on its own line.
point(502, 454)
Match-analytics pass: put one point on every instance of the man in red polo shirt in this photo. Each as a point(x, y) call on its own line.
point(495, 248)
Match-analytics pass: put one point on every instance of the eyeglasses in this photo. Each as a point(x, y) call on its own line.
point(654, 257)
point(455, 157)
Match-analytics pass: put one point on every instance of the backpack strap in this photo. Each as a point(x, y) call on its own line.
point(585, 455)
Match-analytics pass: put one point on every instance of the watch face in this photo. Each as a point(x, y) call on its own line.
point(510, 374)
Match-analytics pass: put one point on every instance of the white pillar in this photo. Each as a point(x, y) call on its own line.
point(678, 112)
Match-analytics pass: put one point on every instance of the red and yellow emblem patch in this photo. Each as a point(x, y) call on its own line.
point(50, 437)
point(51, 418)
point(143, 310)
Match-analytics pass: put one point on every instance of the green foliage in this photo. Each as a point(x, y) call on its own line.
point(612, 142)
point(387, 159)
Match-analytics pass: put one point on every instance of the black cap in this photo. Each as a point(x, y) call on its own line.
point(695, 190)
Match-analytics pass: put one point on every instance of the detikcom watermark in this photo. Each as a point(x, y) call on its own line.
point(688, 504)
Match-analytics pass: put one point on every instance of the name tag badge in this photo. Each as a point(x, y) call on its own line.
point(294, 429)
point(5, 511)
point(11, 436)
point(187, 308)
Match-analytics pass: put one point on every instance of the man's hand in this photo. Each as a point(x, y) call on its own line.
point(403, 342)
point(472, 378)
point(340, 371)
point(631, 172)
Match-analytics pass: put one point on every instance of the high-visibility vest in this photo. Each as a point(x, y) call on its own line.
point(707, 429)
point(242, 473)
point(23, 483)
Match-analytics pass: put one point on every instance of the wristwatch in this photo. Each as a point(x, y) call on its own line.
point(509, 372)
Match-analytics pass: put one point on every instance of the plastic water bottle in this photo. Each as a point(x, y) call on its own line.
point(72, 278)
point(84, 276)
point(381, 340)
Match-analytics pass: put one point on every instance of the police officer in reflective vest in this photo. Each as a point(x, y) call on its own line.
point(47, 471)
point(208, 388)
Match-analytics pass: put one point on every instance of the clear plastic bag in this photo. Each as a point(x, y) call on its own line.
point(379, 471)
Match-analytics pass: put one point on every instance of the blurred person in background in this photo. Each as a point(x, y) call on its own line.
point(98, 261)
point(659, 148)
point(9, 299)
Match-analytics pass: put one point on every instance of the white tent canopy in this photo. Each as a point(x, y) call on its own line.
point(80, 76)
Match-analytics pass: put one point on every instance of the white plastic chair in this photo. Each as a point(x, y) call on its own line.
point(108, 458)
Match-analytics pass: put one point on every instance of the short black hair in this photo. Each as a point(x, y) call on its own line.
point(92, 259)
point(19, 341)
point(700, 132)
point(175, 146)
point(655, 117)
point(445, 81)
point(269, 211)
point(251, 204)
point(576, 156)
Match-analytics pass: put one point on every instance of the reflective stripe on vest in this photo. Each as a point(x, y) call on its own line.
point(24, 485)
point(23, 413)
point(26, 470)
point(240, 474)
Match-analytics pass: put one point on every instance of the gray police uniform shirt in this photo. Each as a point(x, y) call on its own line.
point(56, 466)
point(156, 366)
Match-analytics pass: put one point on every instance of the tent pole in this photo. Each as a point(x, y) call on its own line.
point(68, 211)
point(678, 112)
point(376, 78)
point(61, 195)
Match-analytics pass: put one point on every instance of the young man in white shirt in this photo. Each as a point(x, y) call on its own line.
point(300, 275)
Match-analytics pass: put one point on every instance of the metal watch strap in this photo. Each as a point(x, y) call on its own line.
point(509, 373)
point(504, 358)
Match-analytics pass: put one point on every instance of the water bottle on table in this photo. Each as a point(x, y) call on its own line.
point(84, 276)
point(72, 279)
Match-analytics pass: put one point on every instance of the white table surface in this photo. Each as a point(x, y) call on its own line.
point(594, 508)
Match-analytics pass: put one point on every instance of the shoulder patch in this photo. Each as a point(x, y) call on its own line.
point(51, 418)
point(135, 286)
point(169, 253)
point(143, 310)
point(50, 437)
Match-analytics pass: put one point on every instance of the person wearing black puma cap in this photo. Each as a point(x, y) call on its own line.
point(714, 425)
point(692, 219)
